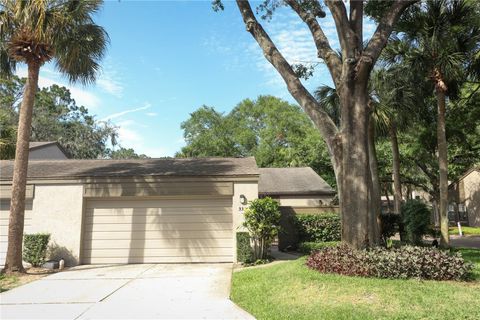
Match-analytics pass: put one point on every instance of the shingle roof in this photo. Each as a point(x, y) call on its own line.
point(292, 181)
point(36, 144)
point(70, 168)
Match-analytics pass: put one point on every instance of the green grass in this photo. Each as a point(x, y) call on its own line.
point(290, 290)
point(465, 230)
point(7, 282)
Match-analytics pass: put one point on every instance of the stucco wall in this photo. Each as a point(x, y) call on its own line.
point(250, 191)
point(57, 209)
point(47, 152)
point(304, 201)
point(471, 197)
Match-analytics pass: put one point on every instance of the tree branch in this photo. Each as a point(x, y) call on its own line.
point(356, 22)
point(324, 50)
point(382, 33)
point(339, 13)
point(321, 119)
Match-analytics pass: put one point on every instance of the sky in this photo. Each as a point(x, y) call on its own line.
point(168, 58)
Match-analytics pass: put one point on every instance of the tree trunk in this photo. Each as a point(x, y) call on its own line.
point(397, 185)
point(355, 171)
point(443, 167)
point(13, 261)
point(375, 197)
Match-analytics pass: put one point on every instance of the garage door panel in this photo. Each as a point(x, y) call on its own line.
point(166, 203)
point(151, 219)
point(160, 243)
point(164, 252)
point(167, 230)
point(155, 235)
point(158, 227)
point(157, 211)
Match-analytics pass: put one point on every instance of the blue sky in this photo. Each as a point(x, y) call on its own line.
point(166, 59)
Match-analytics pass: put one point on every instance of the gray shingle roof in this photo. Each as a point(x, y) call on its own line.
point(292, 181)
point(62, 169)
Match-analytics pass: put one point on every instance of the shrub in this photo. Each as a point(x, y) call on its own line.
point(244, 249)
point(416, 219)
point(318, 227)
point(389, 223)
point(35, 248)
point(397, 263)
point(309, 247)
point(262, 220)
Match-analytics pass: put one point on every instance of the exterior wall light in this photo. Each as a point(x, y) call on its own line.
point(243, 199)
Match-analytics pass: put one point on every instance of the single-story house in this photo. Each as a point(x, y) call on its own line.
point(464, 198)
point(135, 211)
point(300, 189)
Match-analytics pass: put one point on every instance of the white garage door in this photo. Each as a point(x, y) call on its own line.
point(150, 231)
point(4, 216)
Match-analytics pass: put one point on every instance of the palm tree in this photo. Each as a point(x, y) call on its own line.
point(439, 41)
point(35, 32)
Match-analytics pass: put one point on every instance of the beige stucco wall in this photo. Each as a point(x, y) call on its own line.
point(470, 196)
point(250, 190)
point(304, 201)
point(57, 209)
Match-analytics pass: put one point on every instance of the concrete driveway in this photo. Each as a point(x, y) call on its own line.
point(146, 291)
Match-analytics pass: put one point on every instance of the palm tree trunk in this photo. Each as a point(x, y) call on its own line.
point(443, 167)
point(13, 261)
point(397, 186)
point(375, 195)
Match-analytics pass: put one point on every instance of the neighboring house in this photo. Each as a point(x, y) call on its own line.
point(464, 198)
point(300, 189)
point(135, 211)
point(43, 150)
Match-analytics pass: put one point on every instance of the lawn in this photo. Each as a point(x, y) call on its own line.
point(465, 230)
point(290, 290)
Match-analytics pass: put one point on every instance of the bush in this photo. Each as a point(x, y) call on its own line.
point(389, 225)
point(416, 219)
point(244, 249)
point(35, 248)
point(318, 227)
point(309, 247)
point(262, 220)
point(397, 263)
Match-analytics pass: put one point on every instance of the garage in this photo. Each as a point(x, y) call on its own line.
point(157, 231)
point(167, 210)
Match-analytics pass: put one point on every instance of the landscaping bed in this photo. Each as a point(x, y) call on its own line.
point(11, 281)
point(293, 291)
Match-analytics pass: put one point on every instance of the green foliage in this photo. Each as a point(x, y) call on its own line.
point(276, 133)
point(396, 263)
point(309, 247)
point(56, 117)
point(389, 223)
point(416, 219)
point(124, 153)
point(318, 227)
point(262, 220)
point(35, 248)
point(244, 248)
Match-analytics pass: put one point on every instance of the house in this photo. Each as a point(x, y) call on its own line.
point(300, 189)
point(135, 211)
point(46, 150)
point(464, 198)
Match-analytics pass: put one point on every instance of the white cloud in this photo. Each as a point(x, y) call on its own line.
point(121, 113)
point(151, 114)
point(82, 97)
point(109, 80)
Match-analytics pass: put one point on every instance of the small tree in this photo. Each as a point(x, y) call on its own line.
point(416, 217)
point(262, 220)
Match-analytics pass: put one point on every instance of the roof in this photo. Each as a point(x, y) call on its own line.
point(292, 181)
point(70, 168)
point(463, 176)
point(37, 144)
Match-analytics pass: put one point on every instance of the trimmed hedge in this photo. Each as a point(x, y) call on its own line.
point(309, 247)
point(416, 219)
point(35, 248)
point(244, 249)
point(398, 263)
point(318, 227)
point(389, 224)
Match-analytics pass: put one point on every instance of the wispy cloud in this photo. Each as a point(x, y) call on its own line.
point(151, 114)
point(124, 112)
point(109, 79)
